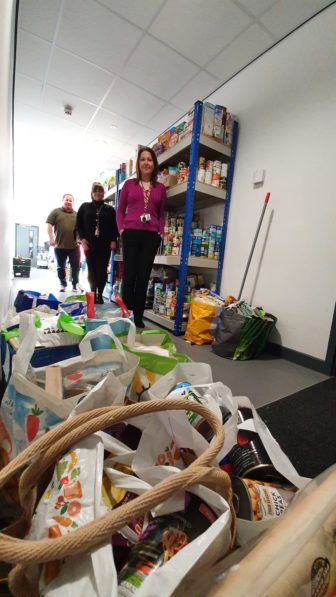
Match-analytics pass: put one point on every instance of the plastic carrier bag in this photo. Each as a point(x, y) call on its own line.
point(239, 336)
point(28, 411)
point(202, 319)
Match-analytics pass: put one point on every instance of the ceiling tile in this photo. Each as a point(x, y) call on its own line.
point(27, 117)
point(39, 17)
point(104, 119)
point(199, 30)
point(158, 69)
point(201, 86)
point(55, 100)
point(256, 7)
point(142, 136)
point(98, 35)
point(28, 91)
point(128, 100)
point(284, 16)
point(245, 48)
point(140, 12)
point(166, 117)
point(79, 77)
point(32, 56)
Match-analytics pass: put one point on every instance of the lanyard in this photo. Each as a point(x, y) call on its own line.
point(146, 195)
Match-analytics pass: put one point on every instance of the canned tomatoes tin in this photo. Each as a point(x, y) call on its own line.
point(248, 457)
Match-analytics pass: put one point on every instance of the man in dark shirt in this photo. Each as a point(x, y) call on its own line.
point(61, 231)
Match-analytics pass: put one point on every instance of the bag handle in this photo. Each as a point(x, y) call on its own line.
point(85, 345)
point(28, 340)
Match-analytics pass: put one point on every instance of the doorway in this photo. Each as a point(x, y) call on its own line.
point(26, 242)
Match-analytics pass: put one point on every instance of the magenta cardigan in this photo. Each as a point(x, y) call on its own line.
point(131, 207)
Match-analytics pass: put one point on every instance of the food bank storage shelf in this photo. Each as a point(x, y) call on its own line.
point(205, 196)
point(212, 149)
point(192, 261)
point(161, 320)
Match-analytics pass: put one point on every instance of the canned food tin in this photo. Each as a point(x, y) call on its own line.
point(249, 457)
point(255, 500)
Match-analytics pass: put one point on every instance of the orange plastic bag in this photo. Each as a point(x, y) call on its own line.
point(201, 326)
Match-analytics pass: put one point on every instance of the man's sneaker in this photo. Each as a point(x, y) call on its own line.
point(74, 289)
point(63, 289)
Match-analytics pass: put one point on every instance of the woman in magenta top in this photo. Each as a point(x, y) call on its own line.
point(140, 219)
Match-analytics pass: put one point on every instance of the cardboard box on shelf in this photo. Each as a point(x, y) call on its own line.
point(208, 119)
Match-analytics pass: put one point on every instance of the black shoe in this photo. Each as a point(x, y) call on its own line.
point(139, 323)
point(63, 289)
point(99, 300)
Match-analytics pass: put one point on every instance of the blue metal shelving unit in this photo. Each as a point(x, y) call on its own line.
point(111, 276)
point(188, 213)
point(229, 183)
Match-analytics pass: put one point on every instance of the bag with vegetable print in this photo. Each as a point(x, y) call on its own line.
point(28, 411)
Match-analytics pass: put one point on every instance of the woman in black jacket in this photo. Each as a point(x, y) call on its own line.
point(97, 229)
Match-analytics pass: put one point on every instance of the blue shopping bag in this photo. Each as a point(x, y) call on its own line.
point(28, 299)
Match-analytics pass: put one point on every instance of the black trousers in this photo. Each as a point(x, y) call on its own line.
point(139, 250)
point(74, 259)
point(97, 259)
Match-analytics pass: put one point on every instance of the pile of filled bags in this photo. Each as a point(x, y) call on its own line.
point(235, 329)
point(133, 470)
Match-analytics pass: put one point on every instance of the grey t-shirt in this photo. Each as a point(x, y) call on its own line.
point(64, 223)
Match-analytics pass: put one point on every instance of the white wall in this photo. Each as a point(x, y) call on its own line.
point(7, 13)
point(285, 103)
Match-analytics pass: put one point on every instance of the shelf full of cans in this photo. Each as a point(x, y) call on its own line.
point(162, 295)
point(206, 139)
point(204, 241)
point(210, 172)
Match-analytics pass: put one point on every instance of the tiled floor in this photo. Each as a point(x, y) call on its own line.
point(263, 380)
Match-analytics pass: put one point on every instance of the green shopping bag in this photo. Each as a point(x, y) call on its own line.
point(157, 355)
point(241, 337)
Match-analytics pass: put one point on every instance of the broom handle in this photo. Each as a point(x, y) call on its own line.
point(254, 244)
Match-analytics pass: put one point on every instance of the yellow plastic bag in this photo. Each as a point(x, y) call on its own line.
point(202, 319)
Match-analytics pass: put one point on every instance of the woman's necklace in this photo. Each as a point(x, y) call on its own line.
point(97, 229)
point(146, 194)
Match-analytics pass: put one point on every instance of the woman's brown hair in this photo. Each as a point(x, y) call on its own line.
point(155, 162)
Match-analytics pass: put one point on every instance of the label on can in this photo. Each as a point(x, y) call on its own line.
point(256, 500)
point(164, 537)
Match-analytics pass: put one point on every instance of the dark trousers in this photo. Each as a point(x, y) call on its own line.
point(74, 259)
point(139, 250)
point(97, 259)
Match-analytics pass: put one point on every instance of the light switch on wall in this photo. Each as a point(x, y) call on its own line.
point(259, 176)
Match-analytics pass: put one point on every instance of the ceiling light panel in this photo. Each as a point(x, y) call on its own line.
point(284, 16)
point(28, 91)
point(79, 77)
point(129, 100)
point(139, 12)
point(55, 100)
point(201, 86)
point(245, 48)
point(32, 56)
point(159, 69)
point(39, 17)
point(199, 29)
point(95, 33)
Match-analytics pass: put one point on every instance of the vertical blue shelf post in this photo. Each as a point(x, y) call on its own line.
point(227, 206)
point(189, 206)
point(112, 254)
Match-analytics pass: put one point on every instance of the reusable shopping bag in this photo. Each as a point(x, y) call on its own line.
point(28, 299)
point(241, 337)
point(28, 411)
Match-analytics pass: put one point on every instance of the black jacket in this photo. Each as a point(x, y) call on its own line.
point(86, 223)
